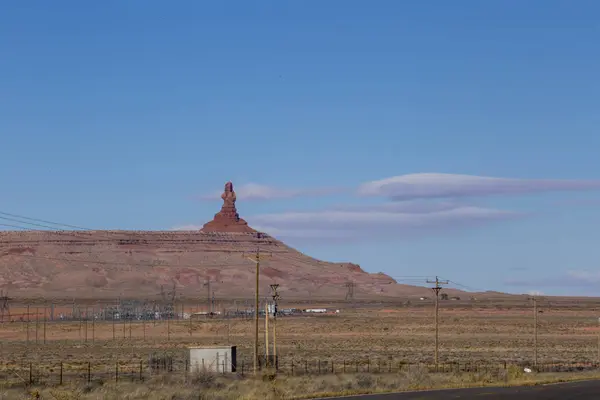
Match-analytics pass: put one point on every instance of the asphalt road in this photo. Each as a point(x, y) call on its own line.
point(587, 390)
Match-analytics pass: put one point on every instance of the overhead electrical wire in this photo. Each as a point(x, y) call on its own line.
point(75, 234)
point(43, 223)
point(102, 233)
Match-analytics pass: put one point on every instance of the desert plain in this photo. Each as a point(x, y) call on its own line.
point(485, 331)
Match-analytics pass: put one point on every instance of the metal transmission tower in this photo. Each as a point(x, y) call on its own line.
point(350, 292)
point(168, 301)
point(4, 307)
point(257, 257)
point(436, 289)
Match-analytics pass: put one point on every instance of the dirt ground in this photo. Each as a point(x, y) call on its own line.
point(468, 333)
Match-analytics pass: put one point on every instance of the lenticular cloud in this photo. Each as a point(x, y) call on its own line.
point(428, 185)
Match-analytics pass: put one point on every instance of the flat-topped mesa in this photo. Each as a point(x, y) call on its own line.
point(228, 219)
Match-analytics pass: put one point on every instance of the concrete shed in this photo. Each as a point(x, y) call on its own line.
point(221, 359)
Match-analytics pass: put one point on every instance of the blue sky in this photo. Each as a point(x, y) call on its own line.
point(126, 114)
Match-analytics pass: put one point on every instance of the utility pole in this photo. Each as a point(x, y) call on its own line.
point(45, 324)
point(114, 312)
point(37, 323)
point(4, 308)
point(212, 304)
point(598, 361)
point(86, 324)
point(535, 324)
point(350, 292)
point(93, 324)
point(535, 331)
point(27, 324)
point(267, 333)
point(208, 302)
point(257, 257)
point(436, 289)
point(275, 296)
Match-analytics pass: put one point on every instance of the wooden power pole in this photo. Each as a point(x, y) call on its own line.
point(436, 289)
point(535, 331)
point(257, 257)
point(598, 360)
point(208, 302)
point(267, 333)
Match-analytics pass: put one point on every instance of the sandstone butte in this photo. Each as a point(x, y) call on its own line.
point(95, 264)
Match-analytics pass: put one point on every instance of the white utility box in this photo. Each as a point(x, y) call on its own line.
point(221, 359)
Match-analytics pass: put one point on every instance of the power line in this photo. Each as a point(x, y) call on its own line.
point(97, 232)
point(468, 288)
point(84, 261)
point(16, 226)
point(29, 223)
point(44, 221)
point(77, 235)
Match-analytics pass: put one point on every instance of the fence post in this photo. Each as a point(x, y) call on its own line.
point(89, 372)
point(332, 367)
point(292, 367)
point(344, 365)
point(368, 365)
point(187, 368)
point(305, 366)
point(61, 373)
point(142, 369)
point(117, 371)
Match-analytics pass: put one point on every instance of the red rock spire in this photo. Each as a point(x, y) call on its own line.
point(228, 219)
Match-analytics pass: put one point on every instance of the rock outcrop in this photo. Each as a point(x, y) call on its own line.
point(228, 219)
point(136, 264)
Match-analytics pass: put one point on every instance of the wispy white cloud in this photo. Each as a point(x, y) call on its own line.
point(189, 227)
point(416, 205)
point(370, 222)
point(569, 278)
point(435, 185)
point(255, 191)
point(416, 186)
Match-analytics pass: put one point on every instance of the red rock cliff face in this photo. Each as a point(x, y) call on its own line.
point(228, 219)
point(136, 264)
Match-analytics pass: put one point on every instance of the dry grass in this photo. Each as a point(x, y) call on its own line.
point(205, 386)
point(406, 334)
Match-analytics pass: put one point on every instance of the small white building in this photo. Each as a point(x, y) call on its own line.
point(221, 359)
point(316, 310)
